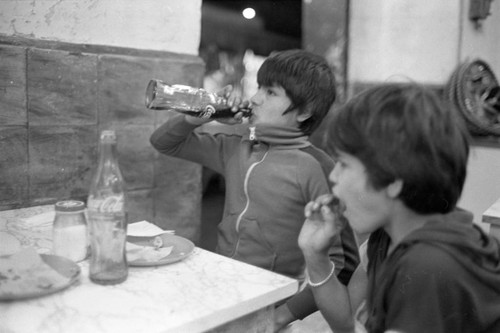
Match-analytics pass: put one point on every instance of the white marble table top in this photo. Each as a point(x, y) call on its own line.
point(194, 295)
point(492, 214)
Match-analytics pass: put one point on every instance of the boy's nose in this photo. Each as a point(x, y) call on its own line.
point(255, 99)
point(333, 175)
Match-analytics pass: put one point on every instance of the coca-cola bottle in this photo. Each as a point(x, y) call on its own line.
point(107, 218)
point(195, 102)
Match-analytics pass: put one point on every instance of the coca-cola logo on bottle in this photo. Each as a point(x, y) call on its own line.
point(110, 204)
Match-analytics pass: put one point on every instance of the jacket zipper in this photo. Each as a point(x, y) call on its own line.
point(251, 136)
point(245, 190)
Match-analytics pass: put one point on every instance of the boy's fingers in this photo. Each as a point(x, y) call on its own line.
point(226, 91)
point(310, 208)
point(326, 199)
point(327, 212)
point(245, 104)
point(332, 221)
point(237, 102)
point(307, 210)
point(322, 204)
point(239, 117)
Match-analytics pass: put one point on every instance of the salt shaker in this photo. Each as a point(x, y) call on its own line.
point(69, 233)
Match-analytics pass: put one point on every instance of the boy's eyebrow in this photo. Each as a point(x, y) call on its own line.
point(271, 85)
point(275, 86)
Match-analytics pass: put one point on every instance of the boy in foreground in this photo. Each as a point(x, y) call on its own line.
point(271, 171)
point(401, 165)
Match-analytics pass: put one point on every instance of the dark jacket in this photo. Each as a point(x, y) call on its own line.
point(443, 277)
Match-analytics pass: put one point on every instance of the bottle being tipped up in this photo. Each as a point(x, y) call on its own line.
point(196, 102)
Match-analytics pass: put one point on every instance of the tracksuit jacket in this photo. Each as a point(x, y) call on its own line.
point(270, 173)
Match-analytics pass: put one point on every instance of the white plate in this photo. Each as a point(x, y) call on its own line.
point(63, 266)
point(182, 248)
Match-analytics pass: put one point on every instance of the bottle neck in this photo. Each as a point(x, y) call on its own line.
point(108, 171)
point(107, 153)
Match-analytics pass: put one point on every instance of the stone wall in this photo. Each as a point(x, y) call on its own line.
point(56, 97)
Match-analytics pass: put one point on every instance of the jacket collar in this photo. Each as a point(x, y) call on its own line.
point(279, 137)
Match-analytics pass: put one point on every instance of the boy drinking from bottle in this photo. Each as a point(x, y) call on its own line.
point(271, 171)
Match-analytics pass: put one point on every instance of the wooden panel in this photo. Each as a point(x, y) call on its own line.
point(12, 85)
point(176, 72)
point(62, 88)
point(140, 206)
point(171, 171)
point(62, 161)
point(123, 82)
point(175, 212)
point(136, 155)
point(177, 196)
point(178, 183)
point(68, 96)
point(13, 167)
point(179, 71)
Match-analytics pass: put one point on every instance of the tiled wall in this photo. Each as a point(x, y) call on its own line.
point(54, 101)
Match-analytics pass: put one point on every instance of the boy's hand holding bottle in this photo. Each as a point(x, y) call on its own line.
point(236, 103)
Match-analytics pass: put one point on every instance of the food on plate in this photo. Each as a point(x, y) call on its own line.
point(25, 272)
point(147, 253)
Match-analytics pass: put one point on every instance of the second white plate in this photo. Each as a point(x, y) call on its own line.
point(182, 248)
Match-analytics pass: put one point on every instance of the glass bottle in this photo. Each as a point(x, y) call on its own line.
point(107, 216)
point(69, 231)
point(192, 101)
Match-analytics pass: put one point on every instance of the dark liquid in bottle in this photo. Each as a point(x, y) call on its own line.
point(218, 114)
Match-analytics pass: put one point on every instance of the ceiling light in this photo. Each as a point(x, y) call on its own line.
point(248, 13)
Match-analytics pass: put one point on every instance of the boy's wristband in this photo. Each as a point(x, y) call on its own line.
point(325, 280)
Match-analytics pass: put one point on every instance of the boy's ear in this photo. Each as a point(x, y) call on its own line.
point(394, 188)
point(304, 115)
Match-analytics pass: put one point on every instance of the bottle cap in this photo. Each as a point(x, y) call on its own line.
point(69, 206)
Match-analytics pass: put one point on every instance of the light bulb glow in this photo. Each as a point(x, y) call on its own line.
point(248, 13)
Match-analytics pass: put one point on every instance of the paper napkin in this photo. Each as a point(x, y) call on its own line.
point(145, 229)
